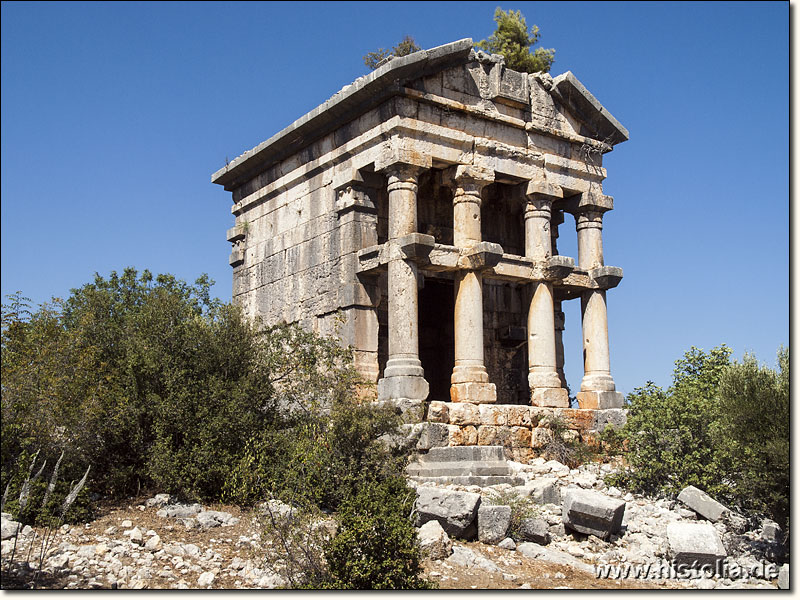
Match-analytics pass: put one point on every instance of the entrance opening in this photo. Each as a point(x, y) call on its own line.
point(437, 336)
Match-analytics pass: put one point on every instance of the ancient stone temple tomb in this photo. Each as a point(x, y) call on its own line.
point(416, 214)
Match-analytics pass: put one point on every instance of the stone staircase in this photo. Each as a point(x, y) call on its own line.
point(463, 465)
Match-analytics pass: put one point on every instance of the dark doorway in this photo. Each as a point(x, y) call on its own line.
point(437, 336)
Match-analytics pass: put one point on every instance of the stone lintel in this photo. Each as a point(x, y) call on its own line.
point(606, 277)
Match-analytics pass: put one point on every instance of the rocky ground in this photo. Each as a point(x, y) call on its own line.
point(151, 543)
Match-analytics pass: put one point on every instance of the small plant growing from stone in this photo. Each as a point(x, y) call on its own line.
point(522, 508)
point(564, 444)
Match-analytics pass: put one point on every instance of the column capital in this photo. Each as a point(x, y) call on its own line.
point(589, 219)
point(591, 201)
point(468, 181)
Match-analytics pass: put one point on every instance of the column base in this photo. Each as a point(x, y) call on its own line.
point(550, 397)
point(598, 382)
point(403, 387)
point(473, 392)
point(544, 379)
point(403, 367)
point(600, 400)
point(469, 374)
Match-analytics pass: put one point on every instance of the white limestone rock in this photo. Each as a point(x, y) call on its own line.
point(434, 541)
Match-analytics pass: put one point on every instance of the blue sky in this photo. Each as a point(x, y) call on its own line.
point(114, 116)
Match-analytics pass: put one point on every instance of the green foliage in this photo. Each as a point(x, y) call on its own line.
point(375, 546)
point(522, 508)
point(751, 435)
point(722, 427)
point(513, 40)
point(564, 444)
point(668, 432)
point(406, 46)
point(153, 383)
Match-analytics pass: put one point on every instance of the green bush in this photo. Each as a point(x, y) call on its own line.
point(751, 435)
point(722, 427)
point(376, 546)
point(522, 508)
point(155, 384)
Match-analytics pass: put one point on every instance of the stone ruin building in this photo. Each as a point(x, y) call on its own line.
point(415, 214)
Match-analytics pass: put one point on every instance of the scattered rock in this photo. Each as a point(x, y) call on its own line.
point(455, 511)
point(592, 513)
point(153, 544)
point(9, 528)
point(467, 558)
point(508, 544)
point(126, 524)
point(434, 541)
point(534, 530)
point(206, 579)
point(493, 523)
point(690, 542)
point(702, 503)
point(159, 500)
point(180, 511)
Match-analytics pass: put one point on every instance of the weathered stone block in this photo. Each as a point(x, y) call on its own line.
point(464, 414)
point(473, 392)
point(523, 455)
point(434, 541)
point(520, 437)
point(689, 542)
point(433, 435)
point(534, 530)
point(438, 412)
point(462, 436)
point(702, 503)
point(592, 513)
point(487, 435)
point(519, 416)
point(492, 414)
point(540, 437)
point(550, 397)
point(493, 523)
point(600, 400)
point(543, 491)
point(455, 511)
point(578, 419)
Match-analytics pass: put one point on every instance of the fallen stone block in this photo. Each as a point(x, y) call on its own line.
point(434, 541)
point(535, 530)
point(690, 542)
point(592, 513)
point(701, 503)
point(456, 511)
point(771, 532)
point(10, 528)
point(543, 491)
point(180, 511)
point(493, 523)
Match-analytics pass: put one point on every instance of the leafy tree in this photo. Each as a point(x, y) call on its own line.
point(406, 46)
point(751, 434)
point(669, 431)
point(513, 41)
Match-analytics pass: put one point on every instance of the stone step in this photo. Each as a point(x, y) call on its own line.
point(459, 453)
point(466, 467)
point(479, 480)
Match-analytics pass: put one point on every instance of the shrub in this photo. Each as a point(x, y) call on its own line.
point(376, 546)
point(669, 443)
point(751, 435)
point(564, 444)
point(522, 508)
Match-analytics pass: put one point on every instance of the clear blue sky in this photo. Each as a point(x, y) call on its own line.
point(114, 116)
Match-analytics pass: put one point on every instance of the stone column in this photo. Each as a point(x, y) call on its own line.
point(470, 380)
point(597, 387)
point(543, 379)
point(557, 219)
point(403, 377)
